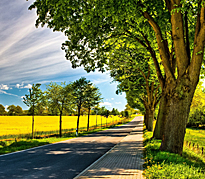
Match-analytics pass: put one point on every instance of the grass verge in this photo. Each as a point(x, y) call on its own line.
point(160, 164)
point(22, 144)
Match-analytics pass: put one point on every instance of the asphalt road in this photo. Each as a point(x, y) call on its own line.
point(62, 160)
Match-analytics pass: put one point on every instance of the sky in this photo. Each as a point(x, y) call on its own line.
point(30, 55)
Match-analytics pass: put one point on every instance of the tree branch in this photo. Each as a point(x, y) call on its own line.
point(178, 37)
point(161, 46)
point(187, 36)
point(198, 52)
point(168, 5)
point(152, 52)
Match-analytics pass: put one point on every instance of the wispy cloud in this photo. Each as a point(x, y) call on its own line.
point(4, 92)
point(27, 53)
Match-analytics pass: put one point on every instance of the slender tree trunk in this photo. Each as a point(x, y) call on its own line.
point(60, 125)
point(88, 119)
point(32, 126)
point(78, 120)
point(179, 100)
point(33, 123)
point(150, 120)
point(160, 124)
point(146, 118)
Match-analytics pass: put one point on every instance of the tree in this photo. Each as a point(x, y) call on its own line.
point(34, 97)
point(59, 96)
point(137, 79)
point(18, 111)
point(79, 88)
point(11, 110)
point(92, 98)
point(2, 110)
point(172, 32)
point(115, 112)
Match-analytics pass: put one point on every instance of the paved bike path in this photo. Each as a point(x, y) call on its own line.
point(124, 161)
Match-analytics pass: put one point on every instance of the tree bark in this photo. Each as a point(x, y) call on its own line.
point(146, 119)
point(32, 126)
point(78, 120)
point(179, 98)
point(60, 125)
point(160, 124)
point(150, 120)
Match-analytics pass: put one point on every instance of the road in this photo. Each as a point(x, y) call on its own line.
point(62, 160)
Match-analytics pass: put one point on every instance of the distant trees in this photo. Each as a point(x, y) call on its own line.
point(76, 98)
point(92, 98)
point(2, 110)
point(60, 97)
point(85, 94)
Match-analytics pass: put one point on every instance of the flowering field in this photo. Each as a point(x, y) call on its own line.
point(14, 125)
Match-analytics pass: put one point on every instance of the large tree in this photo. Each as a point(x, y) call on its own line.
point(171, 31)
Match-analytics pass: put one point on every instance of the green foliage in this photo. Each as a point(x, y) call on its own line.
point(92, 97)
point(160, 164)
point(196, 136)
point(34, 97)
point(59, 98)
point(114, 112)
point(2, 110)
point(197, 112)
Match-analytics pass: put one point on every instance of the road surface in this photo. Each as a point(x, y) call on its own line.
point(62, 160)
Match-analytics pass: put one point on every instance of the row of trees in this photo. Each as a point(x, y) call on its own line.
point(167, 37)
point(12, 110)
point(59, 98)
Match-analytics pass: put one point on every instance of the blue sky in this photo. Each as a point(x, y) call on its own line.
point(33, 55)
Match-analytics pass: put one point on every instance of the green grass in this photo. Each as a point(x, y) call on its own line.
point(196, 136)
point(8, 146)
point(160, 164)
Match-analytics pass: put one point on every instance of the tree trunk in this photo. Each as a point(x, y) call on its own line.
point(150, 120)
point(78, 120)
point(88, 119)
point(60, 125)
point(32, 126)
point(179, 100)
point(160, 124)
point(146, 118)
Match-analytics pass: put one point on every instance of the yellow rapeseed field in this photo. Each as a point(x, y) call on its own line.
point(10, 125)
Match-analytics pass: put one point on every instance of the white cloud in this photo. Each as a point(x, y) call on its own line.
point(105, 104)
point(4, 87)
point(28, 86)
point(112, 98)
point(20, 86)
